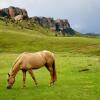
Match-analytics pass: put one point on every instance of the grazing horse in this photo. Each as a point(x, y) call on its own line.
point(28, 61)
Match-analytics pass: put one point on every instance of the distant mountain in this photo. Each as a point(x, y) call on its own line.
point(94, 35)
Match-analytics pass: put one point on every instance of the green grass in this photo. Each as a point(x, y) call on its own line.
point(71, 84)
point(71, 53)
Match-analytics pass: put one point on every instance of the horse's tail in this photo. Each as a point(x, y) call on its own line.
point(54, 72)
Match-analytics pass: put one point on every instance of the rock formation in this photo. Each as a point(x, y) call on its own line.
point(13, 11)
point(59, 25)
point(43, 21)
point(18, 17)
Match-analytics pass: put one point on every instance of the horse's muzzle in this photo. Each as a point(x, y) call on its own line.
point(8, 87)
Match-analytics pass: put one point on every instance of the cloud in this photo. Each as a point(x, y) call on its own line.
point(76, 26)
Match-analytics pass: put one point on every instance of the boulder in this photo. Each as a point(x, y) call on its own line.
point(13, 11)
point(2, 13)
point(24, 13)
point(18, 17)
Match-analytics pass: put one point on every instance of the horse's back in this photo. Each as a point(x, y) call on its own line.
point(33, 59)
point(37, 58)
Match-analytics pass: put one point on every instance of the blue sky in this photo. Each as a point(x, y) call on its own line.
point(83, 15)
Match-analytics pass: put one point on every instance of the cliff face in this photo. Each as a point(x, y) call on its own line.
point(13, 11)
point(50, 22)
point(43, 21)
point(59, 25)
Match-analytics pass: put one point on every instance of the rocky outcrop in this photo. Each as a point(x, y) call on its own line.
point(50, 22)
point(59, 25)
point(18, 17)
point(13, 11)
point(43, 21)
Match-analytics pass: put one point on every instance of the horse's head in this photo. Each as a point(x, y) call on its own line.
point(10, 81)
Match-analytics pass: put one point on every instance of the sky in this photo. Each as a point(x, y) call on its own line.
point(83, 15)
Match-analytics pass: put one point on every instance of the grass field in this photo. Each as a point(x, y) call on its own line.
point(72, 55)
point(71, 84)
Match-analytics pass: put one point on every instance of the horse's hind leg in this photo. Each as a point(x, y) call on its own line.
point(50, 69)
point(24, 77)
point(32, 75)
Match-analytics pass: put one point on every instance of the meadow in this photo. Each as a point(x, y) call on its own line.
point(72, 54)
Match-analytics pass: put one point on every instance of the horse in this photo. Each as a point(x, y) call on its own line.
point(29, 61)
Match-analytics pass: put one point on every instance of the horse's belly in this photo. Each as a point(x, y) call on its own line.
point(37, 63)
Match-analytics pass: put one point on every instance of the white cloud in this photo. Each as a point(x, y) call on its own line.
point(77, 26)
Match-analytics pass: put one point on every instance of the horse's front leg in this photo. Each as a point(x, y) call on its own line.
point(32, 75)
point(24, 77)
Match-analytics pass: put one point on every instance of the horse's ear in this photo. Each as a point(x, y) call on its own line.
point(8, 74)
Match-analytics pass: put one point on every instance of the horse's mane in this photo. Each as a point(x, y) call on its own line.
point(17, 59)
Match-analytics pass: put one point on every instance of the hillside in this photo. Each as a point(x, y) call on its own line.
point(14, 38)
point(19, 14)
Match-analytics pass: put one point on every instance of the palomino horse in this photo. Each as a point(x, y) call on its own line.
point(28, 61)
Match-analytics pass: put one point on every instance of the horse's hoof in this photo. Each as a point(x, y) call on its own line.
point(36, 84)
point(51, 84)
point(23, 87)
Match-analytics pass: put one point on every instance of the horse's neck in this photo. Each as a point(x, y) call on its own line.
point(14, 70)
point(16, 67)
